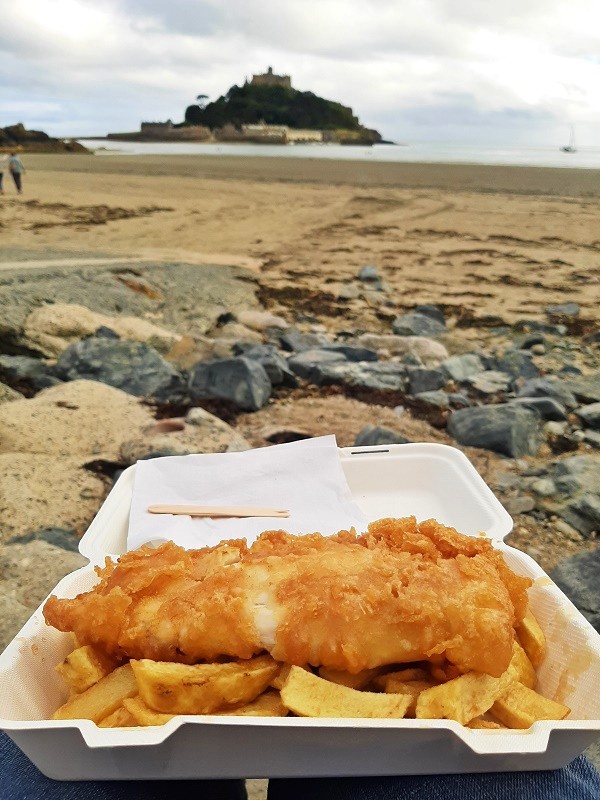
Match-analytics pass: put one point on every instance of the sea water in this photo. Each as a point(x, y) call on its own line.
point(584, 158)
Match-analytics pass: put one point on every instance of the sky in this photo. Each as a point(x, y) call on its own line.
point(497, 72)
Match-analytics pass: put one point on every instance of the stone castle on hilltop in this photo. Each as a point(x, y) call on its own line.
point(269, 78)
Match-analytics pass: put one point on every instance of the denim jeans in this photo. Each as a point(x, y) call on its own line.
point(20, 780)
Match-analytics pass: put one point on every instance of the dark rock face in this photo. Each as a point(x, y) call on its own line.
point(372, 436)
point(368, 274)
point(425, 380)
point(569, 310)
point(381, 375)
point(274, 362)
point(586, 389)
point(579, 577)
point(506, 428)
point(577, 480)
point(241, 381)
point(133, 367)
point(414, 324)
point(546, 407)
point(307, 363)
point(294, 341)
point(555, 389)
point(435, 312)
point(517, 363)
point(461, 368)
point(590, 415)
point(352, 352)
point(27, 375)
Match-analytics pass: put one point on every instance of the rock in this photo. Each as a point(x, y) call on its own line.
point(590, 415)
point(58, 537)
point(425, 380)
point(592, 438)
point(550, 387)
point(413, 324)
point(133, 367)
point(544, 487)
point(517, 363)
point(236, 332)
point(562, 311)
point(528, 340)
point(352, 352)
point(377, 376)
point(368, 273)
point(28, 572)
point(348, 291)
point(579, 577)
point(577, 481)
point(490, 381)
point(192, 293)
point(7, 394)
point(586, 389)
point(28, 374)
point(51, 327)
point(82, 418)
point(438, 399)
point(430, 352)
point(42, 491)
point(199, 432)
point(274, 362)
point(261, 320)
point(547, 407)
point(541, 327)
point(507, 429)
point(462, 367)
point(520, 504)
point(458, 399)
point(13, 615)
point(372, 436)
point(435, 312)
point(583, 513)
point(296, 342)
point(538, 349)
point(241, 381)
point(306, 363)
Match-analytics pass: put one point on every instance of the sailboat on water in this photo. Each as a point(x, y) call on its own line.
point(570, 148)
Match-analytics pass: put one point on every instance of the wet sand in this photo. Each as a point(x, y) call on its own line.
point(485, 241)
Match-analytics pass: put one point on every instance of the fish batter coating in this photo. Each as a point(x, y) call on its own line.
point(401, 592)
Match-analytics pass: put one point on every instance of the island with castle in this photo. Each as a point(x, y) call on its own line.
point(266, 109)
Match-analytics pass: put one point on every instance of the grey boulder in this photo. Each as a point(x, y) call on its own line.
point(241, 381)
point(415, 324)
point(579, 577)
point(373, 435)
point(133, 367)
point(505, 428)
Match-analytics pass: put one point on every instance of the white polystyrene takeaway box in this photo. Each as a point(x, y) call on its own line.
point(425, 480)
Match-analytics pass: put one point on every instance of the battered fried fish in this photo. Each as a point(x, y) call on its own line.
point(401, 592)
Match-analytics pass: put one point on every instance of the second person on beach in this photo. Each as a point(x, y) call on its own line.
point(16, 169)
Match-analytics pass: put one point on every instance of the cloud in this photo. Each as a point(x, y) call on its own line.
point(83, 67)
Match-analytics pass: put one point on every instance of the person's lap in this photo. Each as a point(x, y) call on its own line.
point(20, 780)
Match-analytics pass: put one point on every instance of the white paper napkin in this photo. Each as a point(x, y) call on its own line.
point(304, 477)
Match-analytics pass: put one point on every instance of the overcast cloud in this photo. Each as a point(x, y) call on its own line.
point(519, 71)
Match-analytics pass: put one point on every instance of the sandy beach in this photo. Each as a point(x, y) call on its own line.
point(484, 241)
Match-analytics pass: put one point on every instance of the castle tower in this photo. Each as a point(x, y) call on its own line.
point(269, 78)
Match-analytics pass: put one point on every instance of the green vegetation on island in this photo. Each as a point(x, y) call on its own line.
point(252, 104)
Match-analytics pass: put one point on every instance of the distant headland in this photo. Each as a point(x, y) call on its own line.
point(18, 138)
point(265, 109)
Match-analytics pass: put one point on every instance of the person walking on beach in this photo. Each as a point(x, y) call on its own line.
point(16, 168)
point(2, 162)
